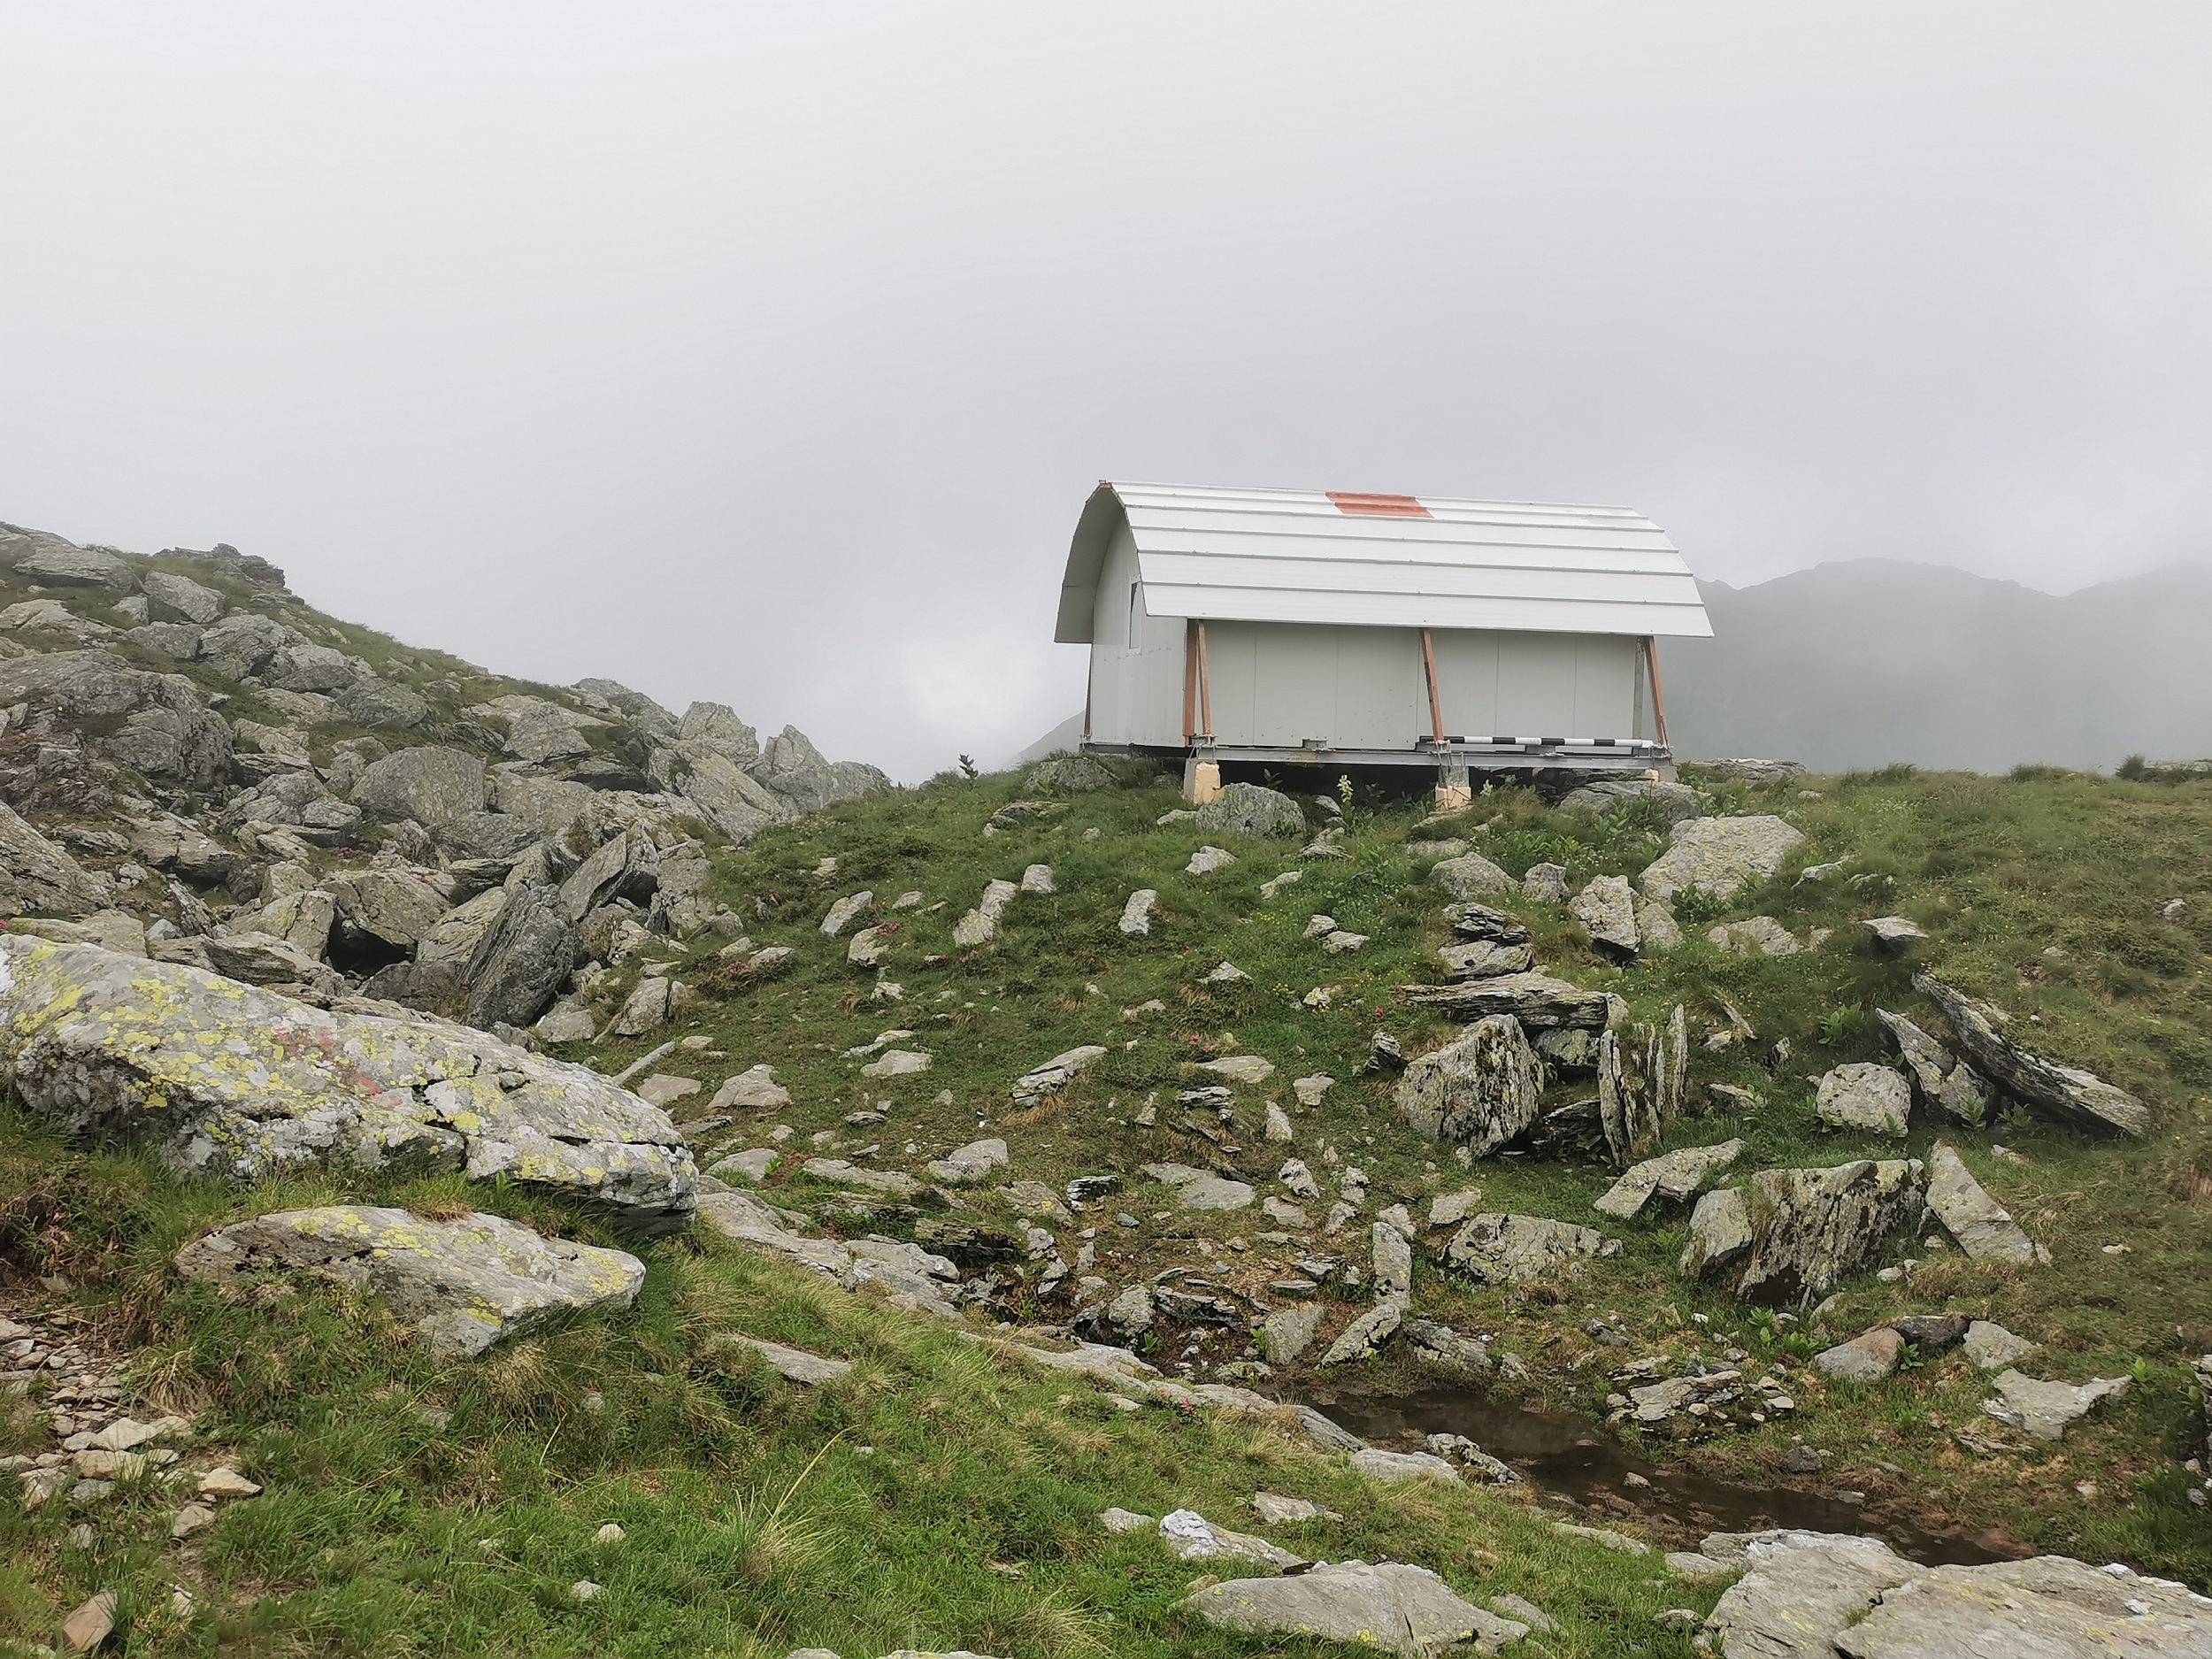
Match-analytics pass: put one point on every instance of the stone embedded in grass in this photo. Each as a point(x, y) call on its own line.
point(2046, 1409)
point(1311, 1089)
point(1275, 1509)
point(1214, 1192)
point(964, 1165)
point(1190, 1536)
point(1319, 926)
point(1545, 883)
point(1342, 943)
point(1055, 1074)
point(1450, 1208)
point(1982, 1226)
point(645, 1009)
point(1119, 1520)
point(1717, 856)
point(980, 924)
point(753, 1163)
point(791, 1363)
point(464, 1283)
point(1507, 1249)
point(897, 1062)
point(1675, 1176)
point(871, 945)
point(1471, 876)
point(1278, 1123)
point(838, 1173)
point(1893, 934)
point(1393, 1261)
point(1206, 860)
point(1273, 885)
point(664, 1088)
point(1406, 1610)
point(842, 913)
point(1136, 915)
point(1365, 1335)
point(1992, 1347)
point(755, 1089)
point(1865, 1096)
point(2078, 1098)
point(1251, 809)
point(1944, 1084)
point(1866, 1358)
point(1241, 1068)
point(1760, 936)
point(1228, 973)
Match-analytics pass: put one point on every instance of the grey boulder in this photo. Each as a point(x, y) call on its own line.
point(1717, 856)
point(1471, 876)
point(1077, 774)
point(1865, 1096)
point(465, 1284)
point(1677, 801)
point(1676, 1176)
point(1944, 1084)
point(1251, 809)
point(1480, 1091)
point(1982, 1226)
point(1504, 1249)
point(59, 564)
point(1537, 1000)
point(521, 960)
point(2046, 1409)
point(2077, 1098)
point(430, 784)
point(193, 601)
point(1795, 1232)
point(1607, 910)
point(37, 875)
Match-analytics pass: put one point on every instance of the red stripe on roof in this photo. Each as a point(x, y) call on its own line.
point(1363, 506)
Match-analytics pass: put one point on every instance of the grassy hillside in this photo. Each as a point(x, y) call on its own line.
point(943, 1494)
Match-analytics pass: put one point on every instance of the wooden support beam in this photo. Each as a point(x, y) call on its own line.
point(1205, 689)
point(1190, 681)
point(1658, 697)
point(1436, 703)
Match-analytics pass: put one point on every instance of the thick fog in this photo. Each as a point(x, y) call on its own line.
point(767, 354)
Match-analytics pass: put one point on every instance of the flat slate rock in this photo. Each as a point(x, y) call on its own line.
point(1537, 1000)
point(236, 1080)
point(2046, 1410)
point(1982, 1227)
point(1717, 856)
point(2080, 1099)
point(1505, 1249)
point(1677, 1176)
point(465, 1284)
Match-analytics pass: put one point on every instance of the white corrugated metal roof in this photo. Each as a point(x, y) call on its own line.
point(1384, 561)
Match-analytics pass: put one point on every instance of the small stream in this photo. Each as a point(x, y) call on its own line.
point(1562, 1454)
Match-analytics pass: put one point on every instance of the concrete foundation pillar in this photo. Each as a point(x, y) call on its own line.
point(1453, 793)
point(1202, 780)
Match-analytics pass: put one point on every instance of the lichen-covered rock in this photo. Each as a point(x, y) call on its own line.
point(1607, 910)
point(193, 601)
point(1984, 1230)
point(1055, 1073)
point(1537, 1000)
point(166, 729)
point(1677, 801)
point(1719, 855)
point(1251, 809)
point(238, 1081)
point(522, 959)
point(1485, 959)
point(1479, 1092)
point(1502, 1249)
point(1801, 1593)
point(1076, 774)
point(1675, 1176)
point(428, 783)
point(1788, 1234)
point(465, 1284)
point(2079, 1099)
point(2049, 1604)
point(1757, 936)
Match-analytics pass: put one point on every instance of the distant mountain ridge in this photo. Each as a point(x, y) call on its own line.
point(1865, 662)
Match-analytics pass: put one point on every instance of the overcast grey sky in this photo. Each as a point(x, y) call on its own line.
point(766, 355)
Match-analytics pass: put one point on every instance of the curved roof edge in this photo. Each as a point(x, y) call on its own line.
point(1384, 561)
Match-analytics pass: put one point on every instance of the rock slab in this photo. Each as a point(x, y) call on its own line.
point(1402, 1609)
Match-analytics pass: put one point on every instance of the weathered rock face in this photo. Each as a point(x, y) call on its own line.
point(1802, 1590)
point(1640, 1072)
point(791, 766)
point(429, 784)
point(1471, 876)
point(242, 643)
point(1076, 774)
point(166, 732)
point(1479, 1092)
point(1790, 1233)
point(1249, 808)
point(2051, 1604)
point(1757, 936)
point(1537, 1000)
point(59, 564)
point(2066, 1094)
point(1501, 1250)
point(190, 600)
point(1944, 1084)
point(1719, 855)
point(239, 1081)
point(465, 1284)
point(1875, 1098)
point(1485, 959)
point(373, 700)
point(37, 875)
point(521, 960)
point(1980, 1225)
point(1055, 1074)
point(1406, 1610)
point(1675, 1176)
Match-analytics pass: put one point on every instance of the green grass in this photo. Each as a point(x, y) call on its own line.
point(756, 1522)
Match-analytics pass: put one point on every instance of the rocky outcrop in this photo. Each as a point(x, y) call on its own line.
point(1480, 1092)
point(1502, 1249)
point(1864, 1095)
point(429, 784)
point(1792, 1233)
point(2063, 1094)
point(38, 876)
point(233, 1080)
point(154, 724)
point(1607, 910)
point(1945, 1086)
point(464, 1283)
point(1718, 855)
point(522, 959)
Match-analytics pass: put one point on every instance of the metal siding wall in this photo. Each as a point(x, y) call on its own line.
point(1467, 682)
point(1293, 684)
point(1382, 699)
point(1536, 684)
point(1605, 687)
point(1231, 662)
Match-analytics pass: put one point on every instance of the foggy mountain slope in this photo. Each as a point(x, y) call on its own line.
point(1868, 661)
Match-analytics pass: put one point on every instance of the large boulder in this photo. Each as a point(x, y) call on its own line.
point(1471, 876)
point(791, 766)
point(1865, 1096)
point(464, 1283)
point(1537, 1000)
point(297, 799)
point(1251, 809)
point(1073, 774)
point(1792, 1233)
point(730, 798)
point(397, 906)
point(58, 564)
point(1607, 910)
point(1480, 1092)
point(2049, 1604)
point(237, 1081)
point(548, 805)
point(309, 667)
point(37, 877)
point(243, 642)
point(522, 959)
point(2064, 1094)
point(627, 866)
point(1677, 801)
point(1675, 1176)
point(193, 601)
point(714, 728)
point(430, 784)
point(373, 700)
point(1719, 855)
point(1406, 1610)
point(1982, 1226)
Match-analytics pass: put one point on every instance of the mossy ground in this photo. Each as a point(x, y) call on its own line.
point(371, 1536)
